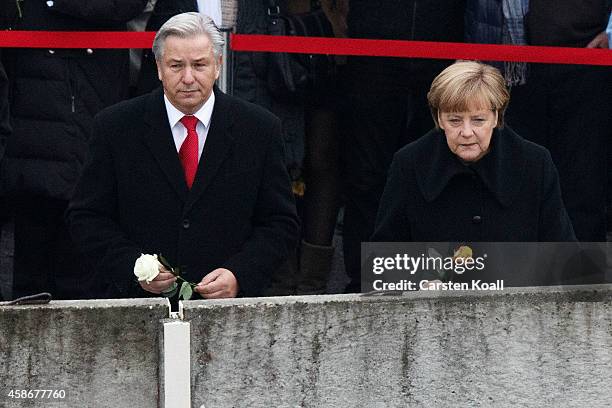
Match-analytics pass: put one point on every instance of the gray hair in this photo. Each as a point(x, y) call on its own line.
point(188, 25)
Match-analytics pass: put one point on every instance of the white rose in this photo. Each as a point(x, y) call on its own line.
point(146, 267)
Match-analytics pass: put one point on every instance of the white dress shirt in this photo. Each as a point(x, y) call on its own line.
point(179, 131)
point(212, 8)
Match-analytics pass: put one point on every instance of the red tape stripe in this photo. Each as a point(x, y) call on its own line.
point(76, 39)
point(316, 45)
point(422, 49)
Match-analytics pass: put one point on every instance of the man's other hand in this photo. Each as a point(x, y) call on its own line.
point(220, 283)
point(600, 41)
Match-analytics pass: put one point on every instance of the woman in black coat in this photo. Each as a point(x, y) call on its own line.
point(471, 179)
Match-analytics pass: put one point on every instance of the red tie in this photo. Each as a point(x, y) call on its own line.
point(188, 153)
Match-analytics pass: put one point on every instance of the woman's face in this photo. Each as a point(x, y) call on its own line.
point(468, 134)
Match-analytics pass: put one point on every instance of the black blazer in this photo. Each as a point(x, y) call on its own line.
point(510, 195)
point(132, 197)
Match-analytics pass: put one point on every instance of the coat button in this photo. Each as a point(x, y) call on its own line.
point(186, 223)
point(89, 51)
point(477, 219)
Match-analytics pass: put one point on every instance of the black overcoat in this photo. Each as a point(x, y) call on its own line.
point(512, 194)
point(55, 92)
point(132, 197)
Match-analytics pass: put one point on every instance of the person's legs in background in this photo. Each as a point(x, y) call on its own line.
point(321, 199)
point(7, 243)
point(374, 127)
point(566, 108)
point(35, 233)
point(45, 257)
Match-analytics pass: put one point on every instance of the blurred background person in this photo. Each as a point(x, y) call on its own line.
point(386, 104)
point(54, 94)
point(572, 102)
point(320, 171)
point(6, 235)
point(5, 127)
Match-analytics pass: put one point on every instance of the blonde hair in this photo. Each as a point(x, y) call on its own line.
point(468, 85)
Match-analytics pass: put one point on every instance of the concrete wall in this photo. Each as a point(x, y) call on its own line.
point(102, 353)
point(522, 347)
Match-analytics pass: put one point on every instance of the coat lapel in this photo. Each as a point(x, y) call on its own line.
point(434, 173)
point(501, 171)
point(217, 147)
point(158, 138)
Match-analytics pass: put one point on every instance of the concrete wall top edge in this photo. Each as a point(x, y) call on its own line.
point(573, 293)
point(94, 303)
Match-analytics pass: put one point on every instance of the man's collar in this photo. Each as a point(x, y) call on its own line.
point(501, 170)
point(203, 114)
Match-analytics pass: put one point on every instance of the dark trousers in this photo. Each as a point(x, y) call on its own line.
point(386, 108)
point(567, 109)
point(45, 257)
point(6, 251)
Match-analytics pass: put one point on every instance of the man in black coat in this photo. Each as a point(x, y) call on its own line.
point(54, 95)
point(229, 225)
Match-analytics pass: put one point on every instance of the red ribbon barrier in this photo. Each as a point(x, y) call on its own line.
point(316, 45)
point(76, 39)
point(422, 49)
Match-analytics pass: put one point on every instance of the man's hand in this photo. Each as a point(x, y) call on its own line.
point(162, 281)
point(220, 283)
point(600, 41)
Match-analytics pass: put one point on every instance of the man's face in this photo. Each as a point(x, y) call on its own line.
point(188, 70)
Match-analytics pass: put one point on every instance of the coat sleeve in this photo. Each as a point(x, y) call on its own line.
point(116, 11)
point(555, 224)
point(275, 223)
point(392, 224)
point(92, 218)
